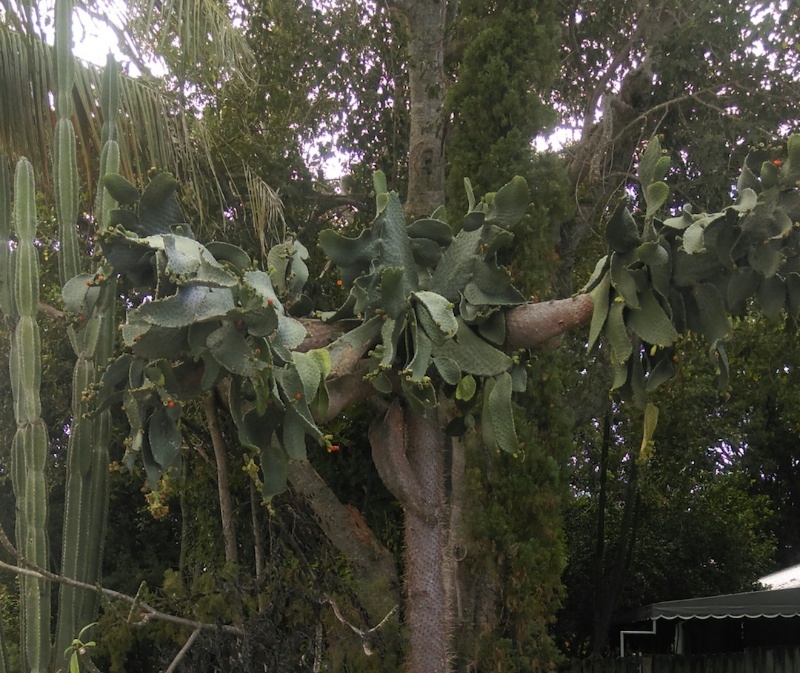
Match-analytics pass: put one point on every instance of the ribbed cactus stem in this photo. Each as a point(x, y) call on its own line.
point(65, 169)
point(6, 305)
point(29, 449)
point(86, 501)
point(66, 191)
point(65, 62)
point(6, 271)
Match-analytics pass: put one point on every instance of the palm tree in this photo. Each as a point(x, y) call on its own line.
point(155, 127)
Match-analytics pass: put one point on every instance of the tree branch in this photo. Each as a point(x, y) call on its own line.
point(223, 480)
point(373, 566)
point(190, 641)
point(603, 80)
point(321, 334)
point(124, 43)
point(399, 5)
point(360, 632)
point(347, 389)
point(533, 324)
point(342, 525)
point(147, 612)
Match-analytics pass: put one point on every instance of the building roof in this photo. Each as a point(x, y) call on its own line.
point(769, 603)
point(783, 579)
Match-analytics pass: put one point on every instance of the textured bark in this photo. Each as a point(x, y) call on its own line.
point(426, 20)
point(389, 453)
point(419, 464)
point(531, 324)
point(346, 390)
point(321, 334)
point(373, 565)
point(428, 563)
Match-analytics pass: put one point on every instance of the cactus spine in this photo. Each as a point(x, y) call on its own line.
point(92, 337)
point(29, 448)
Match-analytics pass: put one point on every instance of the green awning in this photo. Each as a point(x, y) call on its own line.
point(753, 604)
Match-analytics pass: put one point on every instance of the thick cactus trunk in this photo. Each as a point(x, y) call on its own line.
point(6, 302)
point(426, 21)
point(411, 453)
point(429, 572)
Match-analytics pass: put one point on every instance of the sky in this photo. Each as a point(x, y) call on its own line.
point(92, 39)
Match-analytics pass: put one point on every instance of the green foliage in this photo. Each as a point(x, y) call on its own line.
point(201, 312)
point(700, 525)
point(9, 625)
point(688, 273)
point(515, 503)
point(506, 57)
point(342, 95)
point(411, 276)
point(515, 527)
point(759, 422)
point(660, 49)
point(79, 648)
point(210, 314)
point(92, 337)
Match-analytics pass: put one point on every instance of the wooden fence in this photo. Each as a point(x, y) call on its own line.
point(752, 661)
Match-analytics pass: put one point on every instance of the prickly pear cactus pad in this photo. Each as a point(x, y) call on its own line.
point(438, 299)
point(203, 313)
point(691, 271)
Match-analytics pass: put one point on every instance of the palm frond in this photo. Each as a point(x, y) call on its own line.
point(206, 35)
point(153, 131)
point(266, 212)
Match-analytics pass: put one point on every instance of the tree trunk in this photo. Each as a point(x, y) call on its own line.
point(258, 546)
point(374, 570)
point(607, 598)
point(411, 453)
point(429, 569)
point(223, 482)
point(426, 20)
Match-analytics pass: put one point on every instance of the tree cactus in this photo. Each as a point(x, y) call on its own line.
point(211, 315)
point(430, 302)
point(440, 298)
point(433, 311)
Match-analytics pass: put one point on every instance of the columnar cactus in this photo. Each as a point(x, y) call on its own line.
point(92, 336)
point(64, 153)
point(29, 448)
point(6, 302)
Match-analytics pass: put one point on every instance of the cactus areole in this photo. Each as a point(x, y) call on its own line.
point(432, 316)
